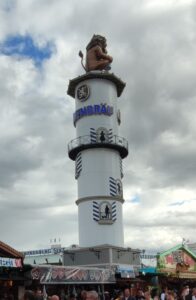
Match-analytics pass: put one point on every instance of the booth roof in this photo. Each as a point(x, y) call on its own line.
point(7, 251)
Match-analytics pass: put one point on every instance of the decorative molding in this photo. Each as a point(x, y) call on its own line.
point(114, 211)
point(93, 135)
point(99, 198)
point(78, 165)
point(112, 186)
point(115, 187)
point(110, 135)
point(118, 117)
point(121, 167)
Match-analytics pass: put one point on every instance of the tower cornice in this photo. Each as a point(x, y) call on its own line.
point(99, 198)
point(96, 75)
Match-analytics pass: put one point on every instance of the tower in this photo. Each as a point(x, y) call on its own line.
point(98, 149)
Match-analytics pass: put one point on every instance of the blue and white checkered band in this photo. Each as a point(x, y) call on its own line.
point(83, 92)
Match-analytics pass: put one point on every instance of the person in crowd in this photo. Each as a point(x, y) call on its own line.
point(127, 294)
point(191, 295)
point(54, 297)
point(185, 293)
point(194, 293)
point(163, 295)
point(155, 294)
point(170, 295)
point(119, 296)
point(38, 294)
point(83, 295)
point(107, 295)
point(140, 295)
point(92, 295)
point(147, 295)
point(10, 296)
point(29, 295)
point(175, 294)
point(72, 297)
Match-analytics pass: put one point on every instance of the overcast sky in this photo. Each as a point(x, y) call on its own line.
point(153, 43)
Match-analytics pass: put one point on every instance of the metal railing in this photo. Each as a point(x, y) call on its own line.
point(86, 140)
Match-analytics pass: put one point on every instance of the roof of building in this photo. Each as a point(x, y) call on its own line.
point(7, 251)
point(104, 246)
point(178, 247)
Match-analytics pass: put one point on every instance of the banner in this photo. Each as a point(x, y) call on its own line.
point(52, 274)
point(10, 262)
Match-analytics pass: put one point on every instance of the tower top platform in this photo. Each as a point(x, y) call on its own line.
point(96, 75)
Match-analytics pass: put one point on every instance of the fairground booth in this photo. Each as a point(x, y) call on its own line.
point(11, 271)
point(178, 265)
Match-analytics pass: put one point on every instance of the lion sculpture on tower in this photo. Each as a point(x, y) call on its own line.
point(96, 55)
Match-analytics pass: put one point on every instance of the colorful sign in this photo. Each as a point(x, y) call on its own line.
point(97, 109)
point(10, 262)
point(178, 260)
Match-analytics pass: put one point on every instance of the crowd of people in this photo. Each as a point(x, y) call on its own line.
point(126, 294)
point(155, 294)
point(184, 293)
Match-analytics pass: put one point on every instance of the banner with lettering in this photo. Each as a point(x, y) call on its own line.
point(10, 262)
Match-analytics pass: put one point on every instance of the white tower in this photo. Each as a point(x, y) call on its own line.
point(98, 152)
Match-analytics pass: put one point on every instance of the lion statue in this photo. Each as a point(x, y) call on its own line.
point(96, 55)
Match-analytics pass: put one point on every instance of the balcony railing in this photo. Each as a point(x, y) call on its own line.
point(85, 142)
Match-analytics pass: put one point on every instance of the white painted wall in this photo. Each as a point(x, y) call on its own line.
point(101, 91)
point(98, 164)
point(92, 234)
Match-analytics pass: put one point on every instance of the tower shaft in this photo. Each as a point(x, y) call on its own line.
point(98, 152)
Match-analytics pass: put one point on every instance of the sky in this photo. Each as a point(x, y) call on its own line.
point(153, 43)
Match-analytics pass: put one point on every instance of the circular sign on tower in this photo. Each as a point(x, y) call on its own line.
point(83, 92)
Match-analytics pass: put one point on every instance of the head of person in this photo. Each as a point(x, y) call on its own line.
point(194, 291)
point(83, 294)
point(140, 293)
point(54, 297)
point(147, 295)
point(72, 297)
point(29, 295)
point(120, 295)
point(185, 291)
point(38, 292)
point(154, 293)
point(126, 292)
point(170, 295)
point(92, 295)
